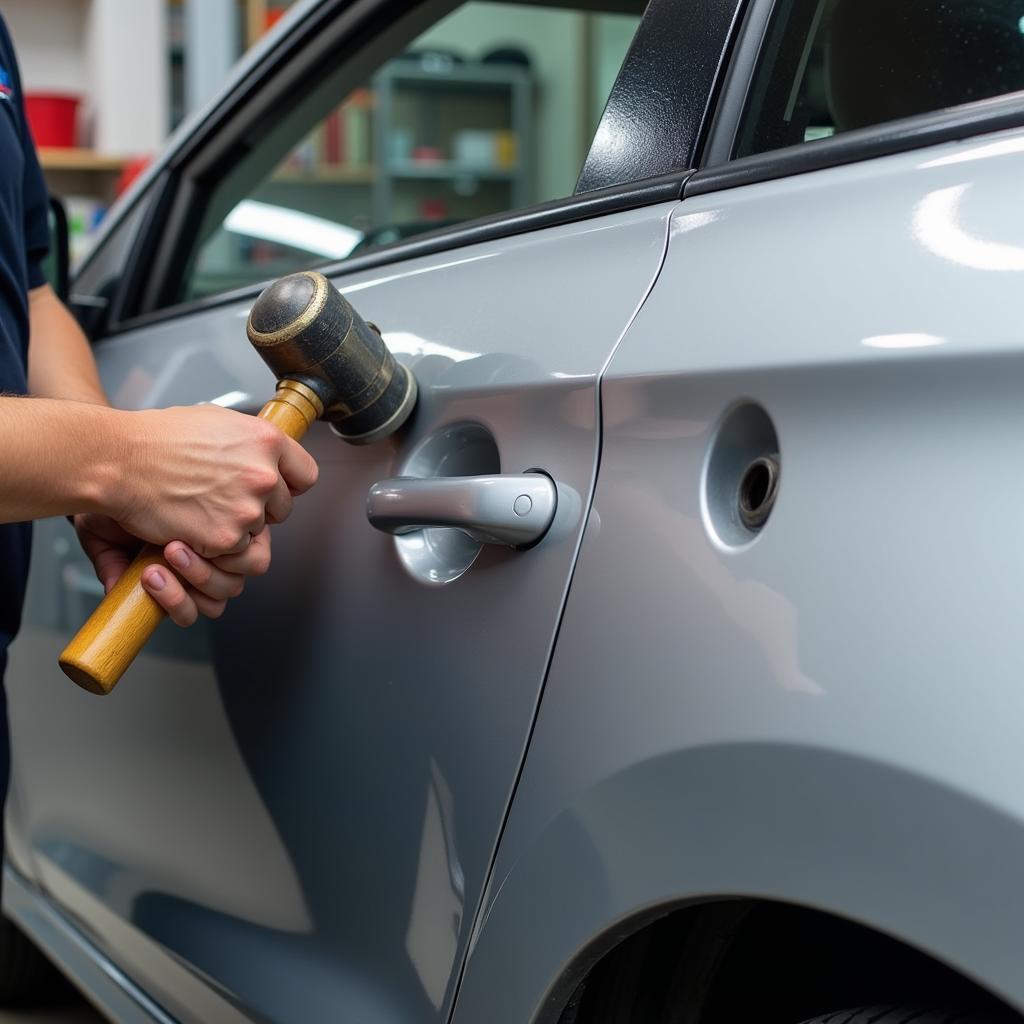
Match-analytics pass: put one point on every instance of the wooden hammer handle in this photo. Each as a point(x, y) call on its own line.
point(125, 619)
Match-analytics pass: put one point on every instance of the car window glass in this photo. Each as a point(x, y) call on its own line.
point(98, 272)
point(829, 66)
point(490, 108)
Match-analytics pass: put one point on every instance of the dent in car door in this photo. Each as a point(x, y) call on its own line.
point(305, 818)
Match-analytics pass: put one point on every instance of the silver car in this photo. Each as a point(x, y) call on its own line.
point(739, 738)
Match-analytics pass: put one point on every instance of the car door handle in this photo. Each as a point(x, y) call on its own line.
point(512, 510)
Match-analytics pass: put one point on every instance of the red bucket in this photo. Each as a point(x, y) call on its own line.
point(51, 116)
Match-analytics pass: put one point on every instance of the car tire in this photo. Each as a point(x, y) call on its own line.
point(906, 1015)
point(24, 971)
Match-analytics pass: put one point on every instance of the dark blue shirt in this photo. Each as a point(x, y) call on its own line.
point(24, 240)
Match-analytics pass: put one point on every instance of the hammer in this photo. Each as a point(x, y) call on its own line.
point(329, 364)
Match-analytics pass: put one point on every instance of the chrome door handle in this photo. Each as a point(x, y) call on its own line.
point(512, 510)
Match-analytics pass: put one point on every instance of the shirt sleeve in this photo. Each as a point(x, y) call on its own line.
point(37, 216)
point(35, 198)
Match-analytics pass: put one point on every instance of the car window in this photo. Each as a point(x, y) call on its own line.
point(490, 107)
point(829, 66)
point(99, 272)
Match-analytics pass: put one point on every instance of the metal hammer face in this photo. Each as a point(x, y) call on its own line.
point(306, 331)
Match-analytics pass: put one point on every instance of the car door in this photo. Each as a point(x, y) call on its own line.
point(290, 814)
point(800, 500)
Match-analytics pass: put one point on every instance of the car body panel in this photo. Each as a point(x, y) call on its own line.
point(298, 806)
point(77, 958)
point(829, 715)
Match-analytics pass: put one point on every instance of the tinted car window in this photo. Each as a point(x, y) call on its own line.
point(829, 66)
point(490, 108)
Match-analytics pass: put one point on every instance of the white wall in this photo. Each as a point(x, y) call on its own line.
point(48, 37)
point(113, 53)
point(126, 43)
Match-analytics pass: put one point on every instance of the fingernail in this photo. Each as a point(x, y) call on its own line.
point(155, 580)
point(179, 557)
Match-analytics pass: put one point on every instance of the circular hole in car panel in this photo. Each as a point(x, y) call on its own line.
point(438, 555)
point(758, 487)
point(742, 473)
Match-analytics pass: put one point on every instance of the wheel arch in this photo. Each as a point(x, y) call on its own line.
point(854, 838)
point(717, 961)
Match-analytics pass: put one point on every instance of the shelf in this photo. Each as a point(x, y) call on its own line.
point(446, 169)
point(470, 75)
point(52, 159)
point(327, 176)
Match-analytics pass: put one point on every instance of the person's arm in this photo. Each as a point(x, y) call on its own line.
point(202, 482)
point(60, 361)
point(59, 458)
point(61, 366)
point(76, 456)
point(201, 474)
point(68, 457)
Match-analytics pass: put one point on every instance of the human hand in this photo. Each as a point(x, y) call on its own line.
point(198, 586)
point(210, 477)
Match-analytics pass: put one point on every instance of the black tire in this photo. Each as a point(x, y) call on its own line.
point(907, 1015)
point(24, 971)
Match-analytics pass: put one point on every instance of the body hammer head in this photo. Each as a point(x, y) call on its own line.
point(307, 331)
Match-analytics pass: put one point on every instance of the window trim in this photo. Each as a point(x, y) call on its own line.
point(140, 251)
point(736, 83)
point(720, 170)
point(297, 55)
point(657, 115)
point(585, 206)
point(950, 125)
